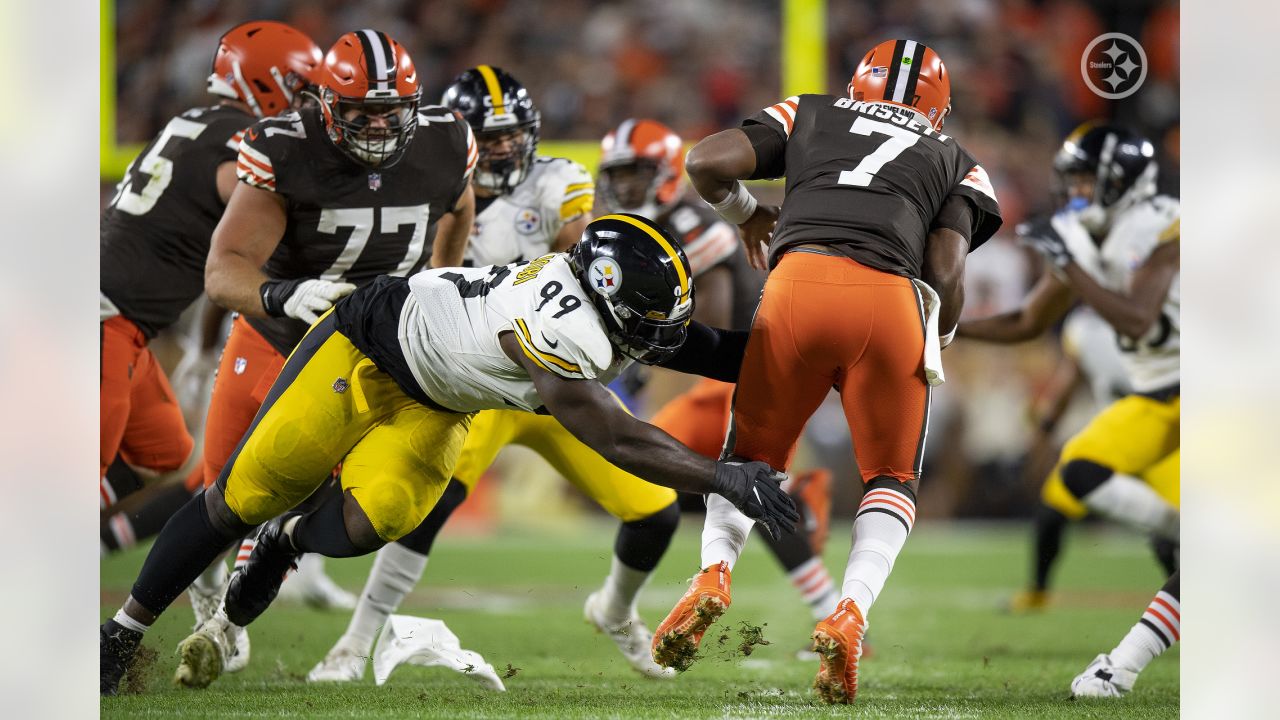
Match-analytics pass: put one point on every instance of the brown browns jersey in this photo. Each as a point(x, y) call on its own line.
point(347, 221)
point(710, 242)
point(867, 180)
point(155, 233)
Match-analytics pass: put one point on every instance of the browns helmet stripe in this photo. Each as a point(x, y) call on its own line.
point(623, 138)
point(894, 66)
point(917, 61)
point(380, 58)
point(899, 81)
point(495, 89)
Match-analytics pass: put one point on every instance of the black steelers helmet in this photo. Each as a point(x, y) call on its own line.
point(1122, 160)
point(493, 103)
point(640, 281)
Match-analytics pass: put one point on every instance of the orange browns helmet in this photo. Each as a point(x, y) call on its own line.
point(369, 97)
point(264, 64)
point(641, 167)
point(907, 73)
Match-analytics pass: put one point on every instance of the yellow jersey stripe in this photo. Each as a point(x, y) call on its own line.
point(671, 252)
point(577, 206)
point(578, 186)
point(495, 90)
point(1173, 232)
point(546, 356)
point(531, 356)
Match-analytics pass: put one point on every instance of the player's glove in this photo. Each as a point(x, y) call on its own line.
point(1040, 235)
point(302, 298)
point(752, 487)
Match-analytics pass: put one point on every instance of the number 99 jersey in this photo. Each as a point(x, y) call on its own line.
point(867, 180)
point(346, 221)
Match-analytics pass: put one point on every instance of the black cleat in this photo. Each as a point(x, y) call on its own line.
point(255, 585)
point(116, 646)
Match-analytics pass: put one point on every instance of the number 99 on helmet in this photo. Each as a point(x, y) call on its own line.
point(639, 280)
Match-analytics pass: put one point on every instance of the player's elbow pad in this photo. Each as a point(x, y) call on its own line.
point(710, 352)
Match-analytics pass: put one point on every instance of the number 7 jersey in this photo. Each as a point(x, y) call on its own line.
point(867, 179)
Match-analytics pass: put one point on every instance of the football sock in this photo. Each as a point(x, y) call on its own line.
point(724, 533)
point(1155, 632)
point(621, 589)
point(126, 527)
point(1166, 553)
point(880, 529)
point(188, 544)
point(640, 544)
point(1121, 498)
point(122, 618)
point(396, 570)
point(816, 587)
point(1049, 526)
point(324, 531)
point(120, 481)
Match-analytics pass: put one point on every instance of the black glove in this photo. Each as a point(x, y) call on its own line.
point(752, 487)
point(1040, 235)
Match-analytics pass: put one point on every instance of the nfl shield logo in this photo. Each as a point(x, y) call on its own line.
point(340, 385)
point(241, 364)
point(375, 181)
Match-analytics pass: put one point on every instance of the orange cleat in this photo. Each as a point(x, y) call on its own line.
point(675, 644)
point(812, 492)
point(838, 642)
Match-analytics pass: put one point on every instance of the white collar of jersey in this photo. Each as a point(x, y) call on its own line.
point(902, 109)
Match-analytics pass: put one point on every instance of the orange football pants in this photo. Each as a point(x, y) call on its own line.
point(829, 321)
point(246, 370)
point(698, 417)
point(139, 414)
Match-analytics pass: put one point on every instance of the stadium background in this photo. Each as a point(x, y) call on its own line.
point(701, 67)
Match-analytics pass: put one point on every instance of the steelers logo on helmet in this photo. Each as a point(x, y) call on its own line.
point(606, 276)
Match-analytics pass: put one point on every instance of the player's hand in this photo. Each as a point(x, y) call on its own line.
point(311, 298)
point(1043, 238)
point(753, 488)
point(756, 233)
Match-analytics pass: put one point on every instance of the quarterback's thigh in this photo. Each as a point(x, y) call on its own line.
point(246, 370)
point(313, 415)
point(399, 469)
point(491, 430)
point(1128, 436)
point(155, 435)
point(1165, 477)
point(620, 493)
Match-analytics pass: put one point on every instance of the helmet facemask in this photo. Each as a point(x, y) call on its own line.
point(1113, 189)
point(374, 132)
point(502, 174)
point(631, 187)
point(643, 337)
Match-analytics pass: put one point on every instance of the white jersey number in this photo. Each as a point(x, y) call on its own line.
point(155, 164)
point(899, 139)
point(360, 220)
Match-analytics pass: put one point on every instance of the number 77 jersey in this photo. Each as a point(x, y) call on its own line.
point(867, 180)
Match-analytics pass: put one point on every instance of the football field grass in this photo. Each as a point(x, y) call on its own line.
point(942, 647)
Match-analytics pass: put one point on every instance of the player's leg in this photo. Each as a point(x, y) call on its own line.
point(1113, 674)
point(399, 565)
point(155, 434)
point(141, 515)
point(1100, 464)
point(1057, 509)
point(119, 344)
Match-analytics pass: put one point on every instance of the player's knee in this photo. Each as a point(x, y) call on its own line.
point(421, 538)
point(1082, 477)
point(665, 520)
point(226, 521)
point(369, 528)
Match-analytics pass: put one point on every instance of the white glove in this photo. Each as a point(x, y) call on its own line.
point(312, 297)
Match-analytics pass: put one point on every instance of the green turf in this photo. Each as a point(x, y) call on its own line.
point(942, 647)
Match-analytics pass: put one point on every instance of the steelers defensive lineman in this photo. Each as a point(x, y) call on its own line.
point(527, 205)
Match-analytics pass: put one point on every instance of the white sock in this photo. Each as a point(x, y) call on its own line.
point(122, 531)
point(724, 533)
point(210, 581)
point(1156, 632)
point(136, 625)
point(621, 589)
point(1130, 501)
point(880, 529)
point(816, 587)
point(396, 570)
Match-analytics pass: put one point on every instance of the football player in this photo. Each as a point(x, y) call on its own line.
point(1113, 674)
point(527, 206)
point(642, 172)
point(329, 198)
point(1115, 247)
point(156, 230)
point(387, 384)
point(867, 255)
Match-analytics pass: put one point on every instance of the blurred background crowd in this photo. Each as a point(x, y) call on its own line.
point(703, 66)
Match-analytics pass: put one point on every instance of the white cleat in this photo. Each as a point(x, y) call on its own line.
point(1103, 679)
point(632, 637)
point(206, 592)
point(210, 651)
point(312, 586)
point(342, 664)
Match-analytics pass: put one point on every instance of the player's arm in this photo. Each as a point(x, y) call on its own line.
point(453, 231)
point(1047, 302)
point(715, 297)
point(226, 180)
point(249, 231)
point(1132, 314)
point(593, 416)
point(570, 233)
point(716, 167)
point(944, 258)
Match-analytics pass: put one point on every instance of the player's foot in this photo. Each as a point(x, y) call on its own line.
point(675, 645)
point(342, 664)
point(208, 652)
point(255, 584)
point(116, 647)
point(813, 492)
point(1028, 601)
point(631, 636)
point(314, 587)
point(838, 642)
point(808, 654)
point(1103, 679)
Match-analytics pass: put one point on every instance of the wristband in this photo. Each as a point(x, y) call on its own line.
point(738, 207)
point(274, 293)
point(945, 340)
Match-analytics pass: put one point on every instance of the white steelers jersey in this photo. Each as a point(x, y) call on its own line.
point(1091, 342)
point(522, 225)
point(1152, 361)
point(450, 323)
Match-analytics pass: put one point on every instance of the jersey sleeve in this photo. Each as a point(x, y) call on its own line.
point(707, 240)
point(781, 119)
point(975, 187)
point(254, 163)
point(573, 349)
point(574, 191)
